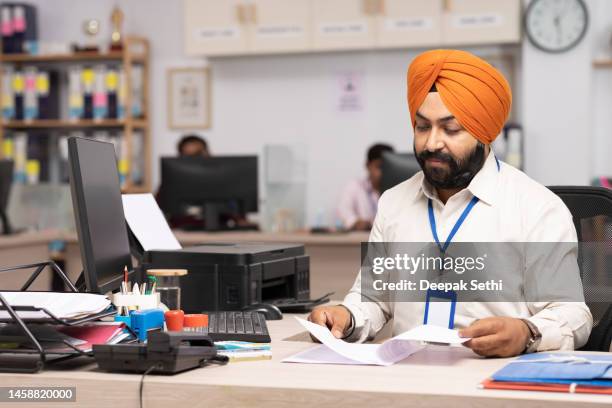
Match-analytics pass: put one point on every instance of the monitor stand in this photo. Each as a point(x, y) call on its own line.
point(6, 226)
point(212, 214)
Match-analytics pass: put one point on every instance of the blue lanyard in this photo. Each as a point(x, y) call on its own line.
point(464, 214)
point(432, 223)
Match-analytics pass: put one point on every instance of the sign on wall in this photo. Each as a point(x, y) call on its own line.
point(189, 98)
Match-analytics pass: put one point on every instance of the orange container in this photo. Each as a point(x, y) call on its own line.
point(174, 320)
point(195, 320)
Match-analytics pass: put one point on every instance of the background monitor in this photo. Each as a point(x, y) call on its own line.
point(397, 167)
point(6, 180)
point(216, 184)
point(98, 209)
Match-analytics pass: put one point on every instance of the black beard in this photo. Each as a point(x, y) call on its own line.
point(460, 172)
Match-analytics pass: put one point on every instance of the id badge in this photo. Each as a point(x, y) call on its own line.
point(440, 308)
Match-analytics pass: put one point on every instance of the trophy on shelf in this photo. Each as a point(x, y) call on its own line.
point(116, 36)
point(91, 28)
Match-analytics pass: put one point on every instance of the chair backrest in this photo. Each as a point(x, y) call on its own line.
point(591, 208)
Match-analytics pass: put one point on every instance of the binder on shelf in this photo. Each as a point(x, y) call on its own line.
point(6, 28)
point(111, 83)
point(47, 91)
point(37, 157)
point(30, 97)
point(18, 86)
point(137, 91)
point(123, 162)
point(121, 94)
point(19, 29)
point(137, 164)
point(8, 150)
point(100, 101)
point(75, 94)
point(25, 29)
point(88, 78)
point(8, 101)
point(20, 143)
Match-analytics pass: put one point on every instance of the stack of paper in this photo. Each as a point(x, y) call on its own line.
point(244, 351)
point(336, 351)
point(64, 305)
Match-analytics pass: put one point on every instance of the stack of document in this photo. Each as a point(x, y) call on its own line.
point(96, 333)
point(336, 351)
point(62, 339)
point(559, 372)
point(244, 351)
point(64, 305)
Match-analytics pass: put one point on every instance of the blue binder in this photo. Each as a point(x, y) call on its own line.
point(559, 368)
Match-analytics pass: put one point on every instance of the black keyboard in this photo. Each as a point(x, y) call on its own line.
point(238, 326)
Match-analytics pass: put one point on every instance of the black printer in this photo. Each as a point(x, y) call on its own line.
point(229, 276)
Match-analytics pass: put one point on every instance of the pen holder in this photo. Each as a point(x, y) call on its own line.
point(168, 285)
point(139, 302)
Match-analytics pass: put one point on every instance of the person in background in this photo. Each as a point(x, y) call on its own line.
point(357, 206)
point(193, 146)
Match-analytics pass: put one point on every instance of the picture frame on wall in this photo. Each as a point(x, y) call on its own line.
point(189, 98)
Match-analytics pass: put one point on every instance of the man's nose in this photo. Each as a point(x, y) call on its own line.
point(434, 140)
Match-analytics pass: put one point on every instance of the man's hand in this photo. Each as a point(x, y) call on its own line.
point(497, 336)
point(336, 318)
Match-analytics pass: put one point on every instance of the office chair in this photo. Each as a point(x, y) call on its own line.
point(591, 209)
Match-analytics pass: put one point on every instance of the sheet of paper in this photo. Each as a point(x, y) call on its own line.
point(433, 334)
point(62, 305)
point(321, 354)
point(148, 223)
point(379, 354)
point(338, 351)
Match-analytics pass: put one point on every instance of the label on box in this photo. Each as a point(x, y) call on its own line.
point(480, 20)
point(408, 24)
point(343, 28)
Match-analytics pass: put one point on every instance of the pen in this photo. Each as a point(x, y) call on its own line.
point(152, 283)
point(143, 289)
point(125, 273)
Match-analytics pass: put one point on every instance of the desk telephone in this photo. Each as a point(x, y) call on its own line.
point(164, 353)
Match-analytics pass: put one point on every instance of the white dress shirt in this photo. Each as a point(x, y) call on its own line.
point(358, 202)
point(511, 208)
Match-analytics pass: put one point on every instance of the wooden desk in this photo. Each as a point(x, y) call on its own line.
point(435, 377)
point(334, 258)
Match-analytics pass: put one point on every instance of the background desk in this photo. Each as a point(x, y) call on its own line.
point(334, 258)
point(25, 248)
point(436, 377)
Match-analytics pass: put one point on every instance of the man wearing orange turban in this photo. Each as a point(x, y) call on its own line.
point(458, 106)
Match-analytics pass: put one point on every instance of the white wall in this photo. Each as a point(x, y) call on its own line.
point(287, 99)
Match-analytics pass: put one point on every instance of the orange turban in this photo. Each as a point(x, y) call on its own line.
point(477, 94)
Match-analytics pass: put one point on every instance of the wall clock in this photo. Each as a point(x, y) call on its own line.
point(556, 25)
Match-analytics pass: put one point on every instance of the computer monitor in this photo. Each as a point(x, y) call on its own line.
point(397, 167)
point(6, 180)
point(217, 185)
point(98, 209)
